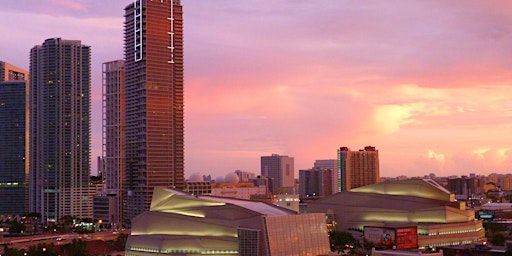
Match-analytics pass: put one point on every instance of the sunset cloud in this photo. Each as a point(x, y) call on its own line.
point(426, 82)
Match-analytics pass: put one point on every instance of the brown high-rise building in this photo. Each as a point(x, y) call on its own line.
point(357, 168)
point(113, 136)
point(154, 101)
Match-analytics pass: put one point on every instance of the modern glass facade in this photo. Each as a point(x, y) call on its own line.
point(248, 242)
point(13, 178)
point(297, 234)
point(154, 101)
point(59, 140)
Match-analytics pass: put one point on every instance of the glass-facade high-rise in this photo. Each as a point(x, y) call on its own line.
point(13, 178)
point(154, 101)
point(59, 129)
point(13, 119)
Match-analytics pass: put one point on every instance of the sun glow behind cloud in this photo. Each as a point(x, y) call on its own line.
point(427, 83)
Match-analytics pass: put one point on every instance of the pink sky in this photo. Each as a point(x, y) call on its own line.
point(429, 83)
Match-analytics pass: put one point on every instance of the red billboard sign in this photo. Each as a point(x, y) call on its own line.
point(407, 238)
point(389, 237)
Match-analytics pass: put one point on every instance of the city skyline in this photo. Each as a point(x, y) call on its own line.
point(427, 83)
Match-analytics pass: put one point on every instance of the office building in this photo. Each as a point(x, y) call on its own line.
point(9, 72)
point(315, 183)
point(280, 169)
point(465, 187)
point(153, 66)
point(103, 207)
point(244, 176)
point(494, 178)
point(506, 182)
point(181, 224)
point(113, 136)
point(59, 129)
point(288, 201)
point(357, 168)
point(239, 190)
point(13, 118)
point(331, 164)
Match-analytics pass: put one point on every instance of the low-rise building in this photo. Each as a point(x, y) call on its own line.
point(238, 190)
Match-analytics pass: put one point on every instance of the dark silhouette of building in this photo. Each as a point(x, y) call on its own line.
point(13, 178)
point(315, 183)
point(280, 169)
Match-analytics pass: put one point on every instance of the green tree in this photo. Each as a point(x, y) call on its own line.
point(449, 252)
point(13, 252)
point(87, 220)
point(75, 248)
point(120, 241)
point(341, 240)
point(17, 227)
point(498, 239)
point(43, 250)
point(494, 227)
point(67, 220)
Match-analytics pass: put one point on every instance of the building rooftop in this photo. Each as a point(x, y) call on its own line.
point(423, 188)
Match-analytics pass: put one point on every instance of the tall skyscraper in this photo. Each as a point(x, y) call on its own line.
point(113, 135)
point(280, 169)
point(13, 118)
point(357, 168)
point(154, 100)
point(59, 129)
point(330, 164)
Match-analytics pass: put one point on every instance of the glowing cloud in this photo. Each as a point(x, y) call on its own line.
point(480, 152)
point(438, 157)
point(389, 118)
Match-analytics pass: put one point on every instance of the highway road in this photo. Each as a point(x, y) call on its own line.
point(58, 239)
